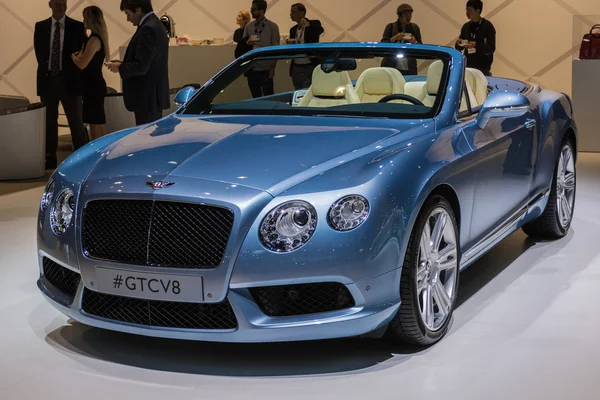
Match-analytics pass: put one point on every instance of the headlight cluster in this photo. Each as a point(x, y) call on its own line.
point(348, 213)
point(288, 226)
point(62, 207)
point(47, 196)
point(291, 225)
point(62, 210)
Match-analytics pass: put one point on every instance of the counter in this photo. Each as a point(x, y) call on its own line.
point(195, 64)
point(585, 92)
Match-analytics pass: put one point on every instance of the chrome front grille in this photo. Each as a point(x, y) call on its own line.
point(156, 233)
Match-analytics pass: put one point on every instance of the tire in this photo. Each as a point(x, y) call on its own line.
point(419, 278)
point(554, 223)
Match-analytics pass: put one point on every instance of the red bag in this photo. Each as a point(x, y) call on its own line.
point(590, 45)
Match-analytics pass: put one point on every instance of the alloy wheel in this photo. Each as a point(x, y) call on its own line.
point(437, 270)
point(565, 186)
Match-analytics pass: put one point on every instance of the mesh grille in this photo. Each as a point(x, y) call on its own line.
point(117, 230)
point(156, 233)
point(159, 313)
point(188, 235)
point(62, 278)
point(312, 298)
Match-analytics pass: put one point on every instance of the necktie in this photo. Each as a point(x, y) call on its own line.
point(55, 59)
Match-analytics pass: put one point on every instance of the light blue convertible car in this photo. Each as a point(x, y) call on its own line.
point(346, 208)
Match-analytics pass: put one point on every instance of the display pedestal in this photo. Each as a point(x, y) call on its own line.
point(585, 96)
point(23, 135)
point(117, 116)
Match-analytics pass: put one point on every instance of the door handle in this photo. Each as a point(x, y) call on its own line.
point(530, 123)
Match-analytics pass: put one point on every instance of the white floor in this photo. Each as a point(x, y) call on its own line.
point(527, 327)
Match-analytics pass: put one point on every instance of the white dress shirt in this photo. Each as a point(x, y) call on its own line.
point(145, 17)
point(300, 40)
point(62, 39)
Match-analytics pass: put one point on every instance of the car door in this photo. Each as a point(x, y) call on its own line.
point(503, 156)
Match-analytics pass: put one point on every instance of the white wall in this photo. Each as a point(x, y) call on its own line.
point(535, 40)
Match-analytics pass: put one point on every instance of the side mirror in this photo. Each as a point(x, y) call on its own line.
point(502, 104)
point(184, 95)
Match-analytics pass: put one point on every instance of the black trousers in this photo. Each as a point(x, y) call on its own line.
point(56, 91)
point(146, 117)
point(260, 84)
point(302, 75)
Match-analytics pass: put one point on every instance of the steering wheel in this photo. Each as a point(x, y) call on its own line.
point(399, 96)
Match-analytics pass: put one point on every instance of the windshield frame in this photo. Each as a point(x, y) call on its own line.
point(201, 101)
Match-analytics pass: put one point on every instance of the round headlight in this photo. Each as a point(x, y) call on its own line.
point(62, 210)
point(47, 196)
point(288, 227)
point(349, 213)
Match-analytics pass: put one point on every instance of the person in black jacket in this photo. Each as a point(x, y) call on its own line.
point(145, 67)
point(477, 39)
point(58, 78)
point(305, 31)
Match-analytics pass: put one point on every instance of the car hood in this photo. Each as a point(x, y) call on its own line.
point(254, 151)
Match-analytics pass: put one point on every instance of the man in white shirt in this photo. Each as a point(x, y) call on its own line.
point(305, 31)
point(58, 78)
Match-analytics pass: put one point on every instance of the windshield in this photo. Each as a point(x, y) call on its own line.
point(389, 83)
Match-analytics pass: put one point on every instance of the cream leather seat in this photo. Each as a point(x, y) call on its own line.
point(328, 90)
point(478, 84)
point(434, 78)
point(418, 90)
point(376, 83)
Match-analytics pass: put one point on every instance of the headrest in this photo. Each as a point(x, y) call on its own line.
point(478, 82)
point(381, 81)
point(434, 77)
point(330, 85)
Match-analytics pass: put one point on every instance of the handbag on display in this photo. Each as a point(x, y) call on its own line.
point(590, 45)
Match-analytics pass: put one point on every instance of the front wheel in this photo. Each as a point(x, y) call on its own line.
point(556, 220)
point(429, 281)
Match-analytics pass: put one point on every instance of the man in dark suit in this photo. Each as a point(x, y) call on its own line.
point(58, 79)
point(145, 67)
point(305, 31)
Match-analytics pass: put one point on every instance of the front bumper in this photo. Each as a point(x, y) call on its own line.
point(370, 312)
point(364, 264)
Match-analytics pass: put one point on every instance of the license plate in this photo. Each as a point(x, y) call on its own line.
point(149, 286)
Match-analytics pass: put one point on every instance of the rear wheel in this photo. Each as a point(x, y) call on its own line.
point(556, 220)
point(429, 281)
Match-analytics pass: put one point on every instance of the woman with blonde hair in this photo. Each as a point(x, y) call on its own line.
point(90, 60)
point(243, 18)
